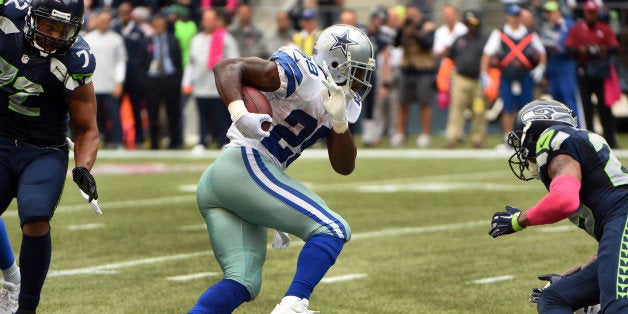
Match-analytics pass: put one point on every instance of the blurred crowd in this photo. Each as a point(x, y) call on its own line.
point(154, 57)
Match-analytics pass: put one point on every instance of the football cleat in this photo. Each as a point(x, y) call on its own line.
point(293, 305)
point(8, 297)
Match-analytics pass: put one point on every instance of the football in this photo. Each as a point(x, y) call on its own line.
point(256, 102)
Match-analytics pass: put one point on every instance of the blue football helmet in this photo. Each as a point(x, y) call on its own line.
point(52, 26)
point(530, 122)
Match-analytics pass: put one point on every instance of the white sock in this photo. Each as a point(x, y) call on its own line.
point(12, 274)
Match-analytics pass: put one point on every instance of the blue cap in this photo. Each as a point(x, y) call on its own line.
point(513, 10)
point(308, 14)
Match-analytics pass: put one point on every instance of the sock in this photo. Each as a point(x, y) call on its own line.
point(223, 297)
point(318, 254)
point(6, 254)
point(34, 263)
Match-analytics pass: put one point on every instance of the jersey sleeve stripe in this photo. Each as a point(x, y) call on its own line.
point(291, 70)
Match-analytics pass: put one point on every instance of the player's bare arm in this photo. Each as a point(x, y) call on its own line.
point(564, 164)
point(342, 151)
point(82, 107)
point(231, 74)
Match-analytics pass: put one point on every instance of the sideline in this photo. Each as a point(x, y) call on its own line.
point(318, 153)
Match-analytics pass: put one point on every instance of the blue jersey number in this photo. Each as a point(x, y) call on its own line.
point(24, 88)
point(304, 139)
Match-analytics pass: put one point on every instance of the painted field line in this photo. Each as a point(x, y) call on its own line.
point(318, 153)
point(343, 278)
point(115, 266)
point(104, 204)
point(367, 235)
point(193, 276)
point(492, 279)
point(85, 227)
point(558, 229)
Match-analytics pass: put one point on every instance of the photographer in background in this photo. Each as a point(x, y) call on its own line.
point(418, 72)
point(592, 42)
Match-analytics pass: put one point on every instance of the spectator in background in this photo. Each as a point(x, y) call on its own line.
point(133, 80)
point(250, 38)
point(304, 39)
point(211, 45)
point(418, 69)
point(162, 66)
point(227, 6)
point(592, 42)
point(141, 16)
point(184, 29)
point(109, 49)
point(561, 67)
point(520, 56)
point(371, 126)
point(282, 35)
point(328, 11)
point(448, 32)
point(350, 17)
point(466, 92)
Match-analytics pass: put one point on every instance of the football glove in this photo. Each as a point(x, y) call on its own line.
point(85, 182)
point(249, 124)
point(335, 102)
point(536, 292)
point(537, 73)
point(505, 222)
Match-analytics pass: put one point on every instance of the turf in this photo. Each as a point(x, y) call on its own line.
point(419, 242)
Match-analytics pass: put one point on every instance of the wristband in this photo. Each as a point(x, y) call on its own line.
point(514, 220)
point(236, 109)
point(340, 126)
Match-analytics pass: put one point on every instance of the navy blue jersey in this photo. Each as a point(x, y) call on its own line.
point(32, 87)
point(604, 191)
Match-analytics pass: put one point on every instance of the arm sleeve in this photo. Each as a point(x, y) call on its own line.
point(562, 200)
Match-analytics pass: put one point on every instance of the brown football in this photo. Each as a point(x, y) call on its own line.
point(256, 102)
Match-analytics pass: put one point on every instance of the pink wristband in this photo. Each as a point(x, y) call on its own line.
point(562, 200)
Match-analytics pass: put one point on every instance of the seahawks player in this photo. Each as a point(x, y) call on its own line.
point(586, 184)
point(246, 190)
point(45, 82)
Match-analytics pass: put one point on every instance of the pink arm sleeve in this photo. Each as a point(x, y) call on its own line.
point(562, 200)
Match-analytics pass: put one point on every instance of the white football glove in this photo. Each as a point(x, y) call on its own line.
point(537, 73)
point(335, 102)
point(248, 123)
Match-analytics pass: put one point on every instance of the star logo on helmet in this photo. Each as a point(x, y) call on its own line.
point(342, 42)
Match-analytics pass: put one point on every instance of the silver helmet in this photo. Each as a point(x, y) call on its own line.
point(349, 56)
point(530, 122)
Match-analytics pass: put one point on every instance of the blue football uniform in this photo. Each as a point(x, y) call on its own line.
point(602, 213)
point(32, 87)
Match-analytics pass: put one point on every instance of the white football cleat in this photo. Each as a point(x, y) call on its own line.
point(8, 297)
point(291, 305)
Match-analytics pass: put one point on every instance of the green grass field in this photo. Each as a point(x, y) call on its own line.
point(420, 244)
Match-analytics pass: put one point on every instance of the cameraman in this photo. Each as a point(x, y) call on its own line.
point(418, 71)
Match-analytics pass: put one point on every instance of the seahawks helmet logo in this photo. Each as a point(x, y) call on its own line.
point(342, 41)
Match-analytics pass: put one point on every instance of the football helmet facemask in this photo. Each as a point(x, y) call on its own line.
point(530, 122)
point(52, 26)
point(349, 55)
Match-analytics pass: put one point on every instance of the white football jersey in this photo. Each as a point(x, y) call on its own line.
point(299, 117)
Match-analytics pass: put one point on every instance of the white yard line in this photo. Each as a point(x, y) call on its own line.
point(343, 278)
point(85, 227)
point(492, 279)
point(193, 276)
point(107, 268)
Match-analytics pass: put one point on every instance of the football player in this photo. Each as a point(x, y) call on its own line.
point(45, 83)
point(586, 184)
point(246, 189)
